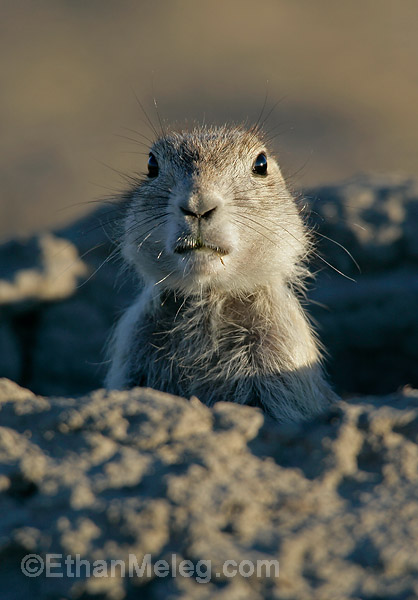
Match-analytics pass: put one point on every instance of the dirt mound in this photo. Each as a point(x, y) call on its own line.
point(130, 475)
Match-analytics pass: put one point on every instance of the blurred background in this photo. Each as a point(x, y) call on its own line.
point(345, 76)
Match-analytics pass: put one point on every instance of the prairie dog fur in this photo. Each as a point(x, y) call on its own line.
point(220, 248)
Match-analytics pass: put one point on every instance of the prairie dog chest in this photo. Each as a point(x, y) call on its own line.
point(201, 337)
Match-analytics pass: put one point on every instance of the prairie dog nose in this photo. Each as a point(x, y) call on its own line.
point(199, 204)
point(198, 215)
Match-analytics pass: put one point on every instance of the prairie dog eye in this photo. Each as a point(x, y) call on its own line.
point(152, 166)
point(260, 165)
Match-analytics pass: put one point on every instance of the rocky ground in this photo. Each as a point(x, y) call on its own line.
point(141, 472)
point(104, 475)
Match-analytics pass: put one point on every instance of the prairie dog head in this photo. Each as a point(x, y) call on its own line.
point(213, 212)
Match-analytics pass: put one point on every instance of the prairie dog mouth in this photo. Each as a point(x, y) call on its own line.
point(191, 245)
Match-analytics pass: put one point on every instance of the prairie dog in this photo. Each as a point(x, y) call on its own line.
point(220, 248)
